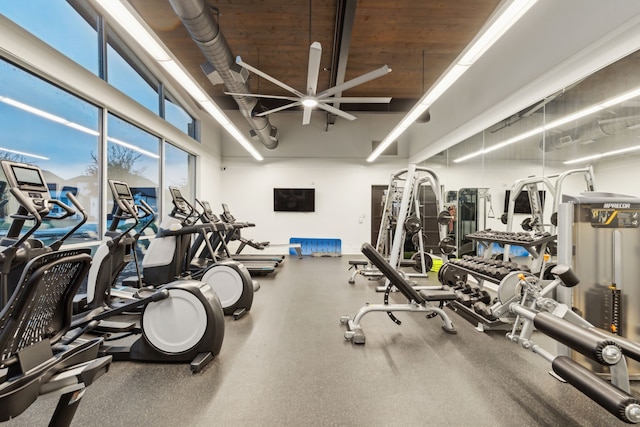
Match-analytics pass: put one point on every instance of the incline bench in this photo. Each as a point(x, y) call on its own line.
point(418, 301)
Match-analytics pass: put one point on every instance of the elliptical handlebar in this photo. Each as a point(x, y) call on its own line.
point(29, 207)
point(148, 211)
point(69, 212)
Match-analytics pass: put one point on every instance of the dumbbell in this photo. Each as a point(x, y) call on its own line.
point(484, 310)
point(481, 296)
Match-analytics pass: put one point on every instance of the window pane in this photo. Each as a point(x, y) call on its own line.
point(58, 23)
point(177, 116)
point(127, 73)
point(46, 126)
point(179, 171)
point(133, 157)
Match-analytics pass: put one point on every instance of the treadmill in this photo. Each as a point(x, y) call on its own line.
point(228, 218)
point(199, 259)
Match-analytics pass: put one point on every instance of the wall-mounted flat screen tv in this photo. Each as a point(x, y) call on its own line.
point(522, 205)
point(294, 199)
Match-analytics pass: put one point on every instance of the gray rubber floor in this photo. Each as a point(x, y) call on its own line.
point(287, 364)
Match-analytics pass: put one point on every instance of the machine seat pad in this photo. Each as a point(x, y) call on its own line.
point(358, 262)
point(436, 295)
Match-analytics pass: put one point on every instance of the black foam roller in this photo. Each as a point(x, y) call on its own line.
point(566, 274)
point(578, 338)
point(605, 394)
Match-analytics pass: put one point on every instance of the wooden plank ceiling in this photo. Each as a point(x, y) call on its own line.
point(417, 39)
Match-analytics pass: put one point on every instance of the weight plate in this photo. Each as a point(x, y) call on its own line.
point(447, 246)
point(415, 239)
point(510, 286)
point(412, 224)
point(452, 276)
point(444, 217)
point(428, 262)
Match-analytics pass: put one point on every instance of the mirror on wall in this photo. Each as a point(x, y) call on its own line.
point(592, 123)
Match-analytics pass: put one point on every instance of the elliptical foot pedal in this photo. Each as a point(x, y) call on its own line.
point(239, 313)
point(200, 362)
point(115, 326)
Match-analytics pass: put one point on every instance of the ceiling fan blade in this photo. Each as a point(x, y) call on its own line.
point(306, 116)
point(284, 107)
point(358, 100)
point(255, 95)
point(315, 53)
point(382, 71)
point(336, 111)
point(267, 77)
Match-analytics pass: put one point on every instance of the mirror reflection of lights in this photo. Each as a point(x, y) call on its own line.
point(52, 117)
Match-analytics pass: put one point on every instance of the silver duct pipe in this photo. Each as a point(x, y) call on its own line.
point(592, 132)
point(206, 33)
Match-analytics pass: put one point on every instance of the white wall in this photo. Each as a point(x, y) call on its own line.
point(618, 175)
point(343, 198)
point(329, 160)
point(345, 139)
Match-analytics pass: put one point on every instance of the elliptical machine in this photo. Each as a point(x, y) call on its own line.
point(169, 255)
point(27, 185)
point(180, 321)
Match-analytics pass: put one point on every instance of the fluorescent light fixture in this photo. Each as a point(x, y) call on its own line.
point(133, 147)
point(123, 14)
point(511, 15)
point(185, 80)
point(481, 43)
point(601, 155)
point(135, 29)
point(23, 153)
point(587, 111)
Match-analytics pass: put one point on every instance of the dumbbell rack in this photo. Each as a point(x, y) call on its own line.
point(535, 244)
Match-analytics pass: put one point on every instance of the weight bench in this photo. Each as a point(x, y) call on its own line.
point(418, 301)
point(359, 268)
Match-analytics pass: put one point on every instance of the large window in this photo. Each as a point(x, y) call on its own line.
point(129, 75)
point(178, 116)
point(133, 156)
point(179, 171)
point(69, 27)
point(43, 125)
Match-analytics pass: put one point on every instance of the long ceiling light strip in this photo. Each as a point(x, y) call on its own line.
point(138, 32)
point(510, 15)
point(587, 111)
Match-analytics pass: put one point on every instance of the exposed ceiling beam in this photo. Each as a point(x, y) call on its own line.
point(345, 17)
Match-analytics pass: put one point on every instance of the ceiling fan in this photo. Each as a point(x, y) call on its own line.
point(311, 99)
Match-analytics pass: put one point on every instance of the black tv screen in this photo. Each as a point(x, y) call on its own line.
point(294, 199)
point(522, 205)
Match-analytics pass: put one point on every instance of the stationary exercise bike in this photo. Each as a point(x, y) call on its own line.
point(179, 321)
point(169, 255)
